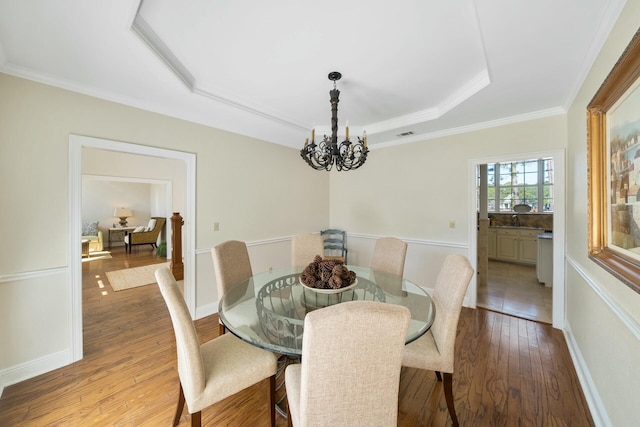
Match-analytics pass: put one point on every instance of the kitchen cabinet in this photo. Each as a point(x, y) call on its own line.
point(507, 244)
point(528, 246)
point(491, 243)
point(515, 244)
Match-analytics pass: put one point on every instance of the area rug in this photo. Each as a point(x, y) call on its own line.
point(134, 277)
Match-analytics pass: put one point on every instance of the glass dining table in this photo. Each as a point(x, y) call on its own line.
point(268, 309)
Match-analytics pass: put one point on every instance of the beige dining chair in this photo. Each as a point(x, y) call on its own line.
point(305, 247)
point(232, 266)
point(435, 350)
point(350, 369)
point(389, 254)
point(217, 369)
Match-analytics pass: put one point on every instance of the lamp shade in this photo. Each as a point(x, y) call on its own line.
point(122, 212)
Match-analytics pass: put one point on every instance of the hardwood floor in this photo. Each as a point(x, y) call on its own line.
point(509, 371)
point(514, 289)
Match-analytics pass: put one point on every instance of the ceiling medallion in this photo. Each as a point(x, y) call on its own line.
point(324, 155)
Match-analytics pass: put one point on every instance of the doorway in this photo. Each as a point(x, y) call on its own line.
point(76, 145)
point(505, 272)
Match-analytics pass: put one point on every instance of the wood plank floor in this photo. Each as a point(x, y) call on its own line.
point(509, 371)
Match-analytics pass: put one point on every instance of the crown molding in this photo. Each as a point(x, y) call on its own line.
point(162, 51)
point(550, 112)
point(466, 91)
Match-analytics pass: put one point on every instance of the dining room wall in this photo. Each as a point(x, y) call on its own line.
point(413, 191)
point(603, 314)
point(255, 190)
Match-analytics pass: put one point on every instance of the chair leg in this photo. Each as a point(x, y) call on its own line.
point(196, 419)
point(176, 419)
point(272, 399)
point(221, 329)
point(438, 376)
point(448, 396)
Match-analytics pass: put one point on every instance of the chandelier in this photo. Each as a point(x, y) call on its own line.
point(346, 155)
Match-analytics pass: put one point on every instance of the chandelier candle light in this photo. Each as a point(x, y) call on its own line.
point(324, 155)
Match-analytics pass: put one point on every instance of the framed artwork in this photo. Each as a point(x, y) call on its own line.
point(613, 124)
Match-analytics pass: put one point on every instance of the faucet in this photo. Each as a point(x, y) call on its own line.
point(515, 220)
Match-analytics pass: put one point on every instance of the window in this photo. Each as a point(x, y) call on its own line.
point(528, 182)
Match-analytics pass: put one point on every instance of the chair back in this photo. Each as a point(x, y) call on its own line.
point(335, 244)
point(305, 247)
point(389, 254)
point(190, 364)
point(231, 264)
point(451, 287)
point(148, 237)
point(351, 361)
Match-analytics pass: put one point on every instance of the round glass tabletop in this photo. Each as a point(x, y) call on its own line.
point(268, 309)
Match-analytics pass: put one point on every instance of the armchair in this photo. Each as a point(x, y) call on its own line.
point(148, 236)
point(91, 233)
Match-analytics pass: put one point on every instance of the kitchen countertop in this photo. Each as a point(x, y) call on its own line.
point(515, 226)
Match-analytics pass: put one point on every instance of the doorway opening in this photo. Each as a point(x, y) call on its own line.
point(76, 145)
point(505, 247)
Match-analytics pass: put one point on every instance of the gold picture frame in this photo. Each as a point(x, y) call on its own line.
point(613, 125)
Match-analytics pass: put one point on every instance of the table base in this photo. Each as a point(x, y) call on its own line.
point(281, 391)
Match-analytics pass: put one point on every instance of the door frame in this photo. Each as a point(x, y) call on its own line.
point(559, 235)
point(76, 144)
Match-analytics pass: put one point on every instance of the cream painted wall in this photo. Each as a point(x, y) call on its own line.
point(137, 167)
point(252, 188)
point(414, 190)
point(100, 197)
point(603, 314)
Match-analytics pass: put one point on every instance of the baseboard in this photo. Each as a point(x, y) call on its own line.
point(33, 368)
point(598, 411)
point(206, 310)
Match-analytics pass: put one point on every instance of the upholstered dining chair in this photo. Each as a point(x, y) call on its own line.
point(232, 265)
point(217, 369)
point(434, 351)
point(389, 254)
point(305, 247)
point(350, 369)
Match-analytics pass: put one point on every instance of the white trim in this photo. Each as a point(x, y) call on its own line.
point(420, 137)
point(41, 365)
point(162, 51)
point(594, 402)
point(76, 143)
point(201, 251)
point(413, 241)
point(624, 317)
point(35, 274)
point(464, 92)
point(559, 282)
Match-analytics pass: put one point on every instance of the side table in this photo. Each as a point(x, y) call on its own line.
point(118, 234)
point(85, 247)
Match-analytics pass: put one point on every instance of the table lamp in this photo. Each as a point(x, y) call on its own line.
point(123, 214)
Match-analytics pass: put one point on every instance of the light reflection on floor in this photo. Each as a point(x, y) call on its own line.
point(514, 289)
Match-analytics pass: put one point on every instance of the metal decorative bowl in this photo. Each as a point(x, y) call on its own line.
point(522, 208)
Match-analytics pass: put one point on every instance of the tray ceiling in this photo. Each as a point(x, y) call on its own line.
point(260, 68)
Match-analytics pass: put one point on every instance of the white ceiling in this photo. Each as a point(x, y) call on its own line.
point(260, 68)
